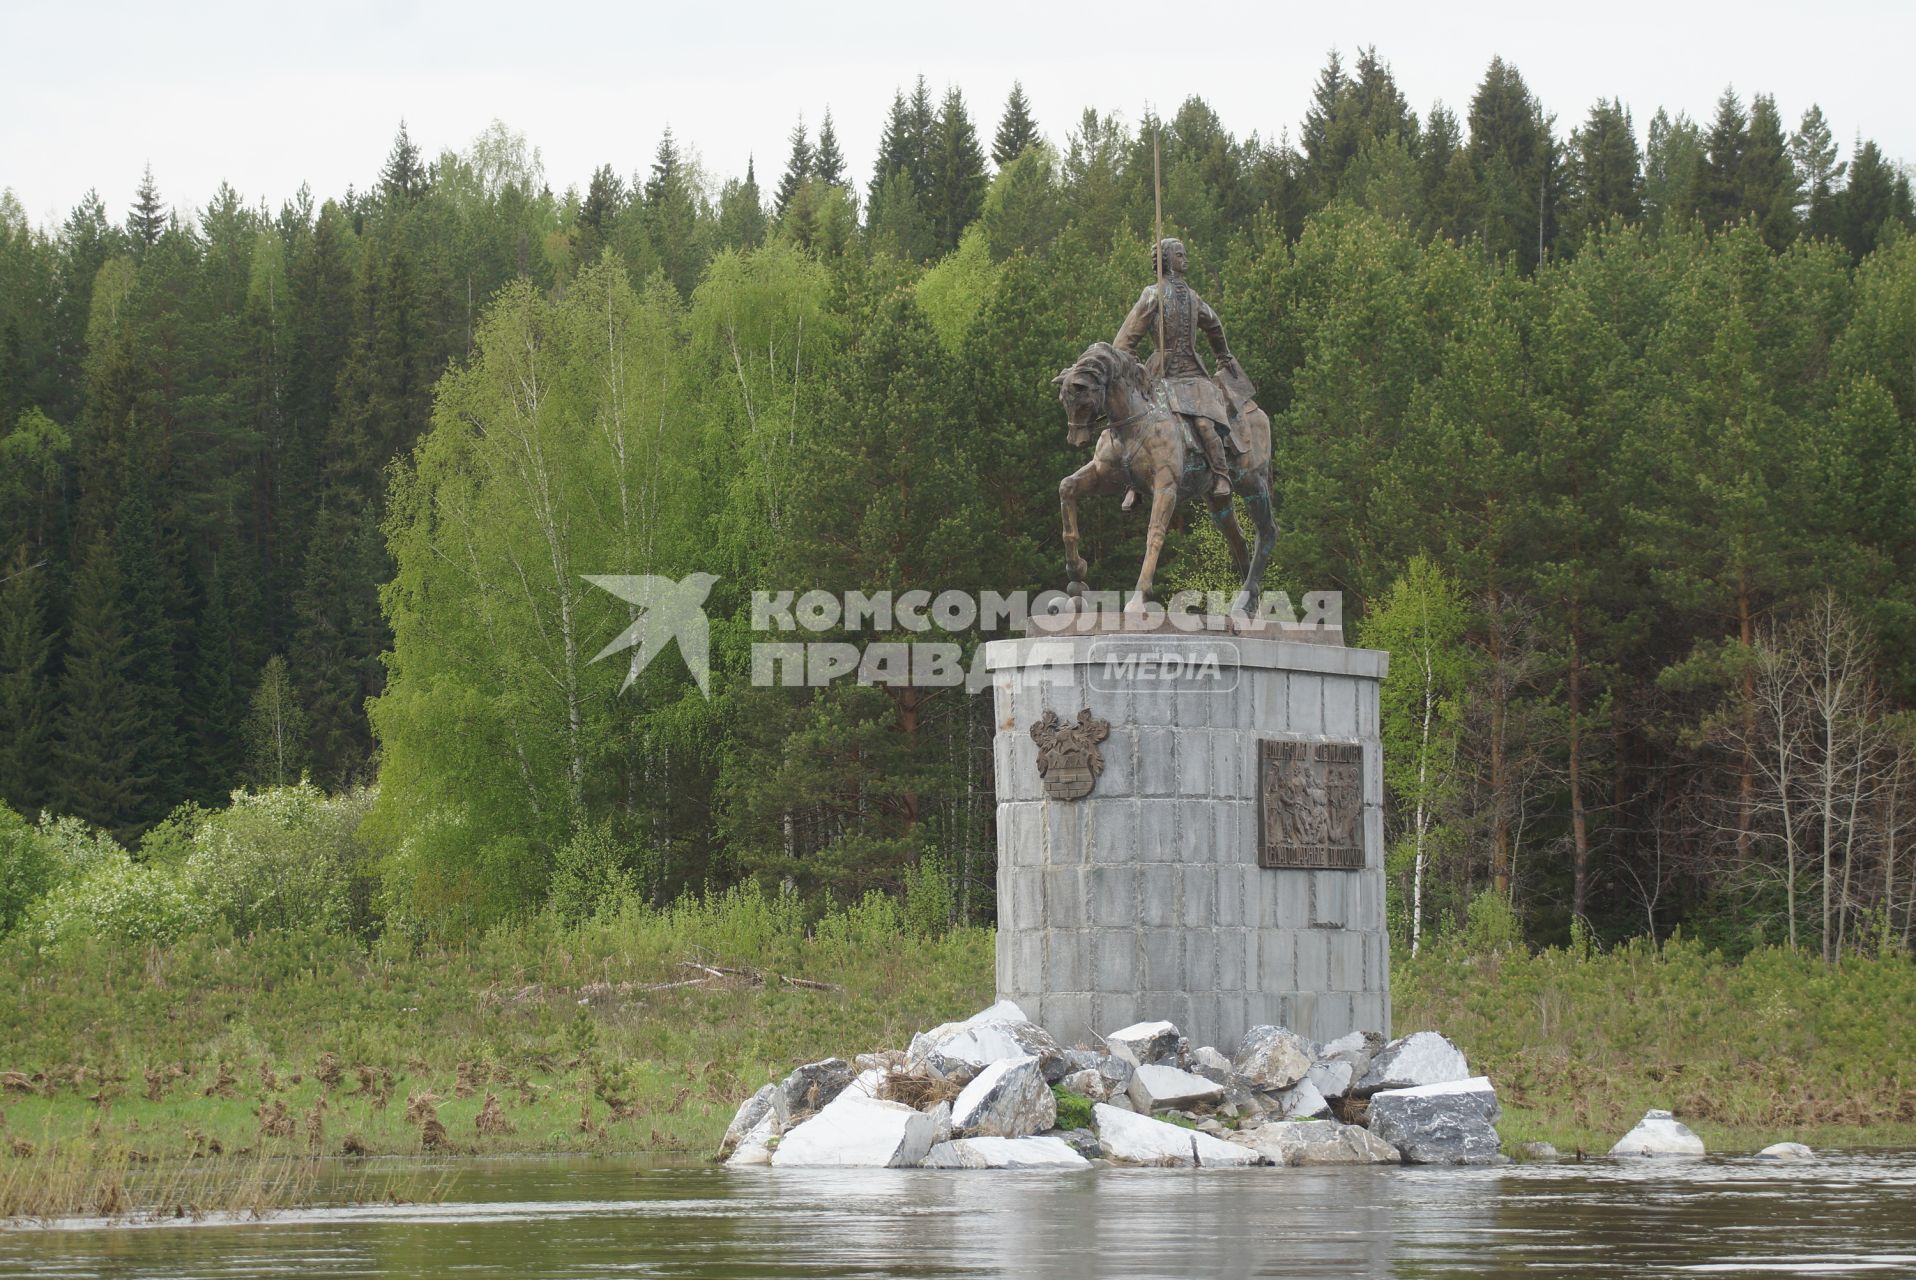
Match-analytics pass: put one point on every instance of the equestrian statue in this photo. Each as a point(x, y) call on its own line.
point(1169, 428)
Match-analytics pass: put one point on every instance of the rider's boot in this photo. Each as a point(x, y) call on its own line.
point(1130, 500)
point(1214, 457)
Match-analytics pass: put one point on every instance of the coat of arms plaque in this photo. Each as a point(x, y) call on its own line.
point(1069, 760)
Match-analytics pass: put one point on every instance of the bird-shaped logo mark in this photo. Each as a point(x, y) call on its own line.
point(663, 611)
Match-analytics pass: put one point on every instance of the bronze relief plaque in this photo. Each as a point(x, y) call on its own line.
point(1310, 804)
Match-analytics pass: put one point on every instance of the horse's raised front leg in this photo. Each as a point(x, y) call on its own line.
point(1258, 503)
point(1086, 479)
point(1164, 501)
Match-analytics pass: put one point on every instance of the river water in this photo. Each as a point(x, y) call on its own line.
point(1853, 1213)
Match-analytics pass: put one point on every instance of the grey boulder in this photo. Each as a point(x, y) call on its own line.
point(1318, 1142)
point(960, 1050)
point(1133, 1139)
point(1341, 1063)
point(750, 1112)
point(855, 1131)
point(1146, 1043)
point(1786, 1151)
point(1302, 1101)
point(1659, 1133)
point(1153, 1088)
point(754, 1146)
point(1419, 1059)
point(1008, 1099)
point(1273, 1057)
point(810, 1088)
point(1453, 1122)
point(1098, 1076)
point(1005, 1153)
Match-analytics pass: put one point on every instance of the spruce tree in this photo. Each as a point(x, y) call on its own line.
point(213, 700)
point(599, 213)
point(1322, 168)
point(1016, 129)
point(895, 149)
point(921, 121)
point(1723, 148)
point(1770, 188)
point(149, 598)
point(1673, 171)
point(1875, 197)
point(1444, 176)
point(958, 175)
point(26, 697)
point(741, 215)
point(147, 219)
point(1606, 169)
point(828, 162)
point(798, 170)
point(404, 175)
point(96, 731)
point(339, 634)
point(1512, 157)
point(672, 223)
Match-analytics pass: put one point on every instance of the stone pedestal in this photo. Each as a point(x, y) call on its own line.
point(1145, 898)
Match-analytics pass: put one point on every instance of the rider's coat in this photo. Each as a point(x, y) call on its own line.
point(1188, 387)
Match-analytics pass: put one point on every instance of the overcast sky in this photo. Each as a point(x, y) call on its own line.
point(267, 97)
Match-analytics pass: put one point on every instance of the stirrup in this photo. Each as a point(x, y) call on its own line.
point(1223, 480)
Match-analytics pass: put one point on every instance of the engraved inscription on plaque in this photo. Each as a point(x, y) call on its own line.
point(1310, 803)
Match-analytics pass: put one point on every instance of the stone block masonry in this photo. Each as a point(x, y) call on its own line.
point(1145, 899)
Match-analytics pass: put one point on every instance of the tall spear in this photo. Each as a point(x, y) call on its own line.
point(1157, 250)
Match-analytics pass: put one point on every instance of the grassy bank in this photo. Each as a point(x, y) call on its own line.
point(1774, 1047)
point(641, 1032)
point(638, 1032)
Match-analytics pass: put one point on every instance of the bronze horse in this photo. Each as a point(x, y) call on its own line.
point(1107, 397)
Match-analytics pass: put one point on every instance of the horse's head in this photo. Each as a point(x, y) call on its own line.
point(1084, 390)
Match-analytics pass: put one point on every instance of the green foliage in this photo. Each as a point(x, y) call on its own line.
point(104, 895)
point(931, 906)
point(1074, 1109)
point(1746, 1052)
point(1491, 926)
point(541, 1015)
point(28, 867)
point(1632, 404)
point(590, 873)
point(952, 293)
point(275, 729)
point(282, 858)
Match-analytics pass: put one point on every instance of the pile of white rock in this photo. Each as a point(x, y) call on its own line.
point(977, 1094)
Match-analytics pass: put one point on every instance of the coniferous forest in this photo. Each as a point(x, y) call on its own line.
point(1607, 430)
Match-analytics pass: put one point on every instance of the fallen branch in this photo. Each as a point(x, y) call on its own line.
point(809, 984)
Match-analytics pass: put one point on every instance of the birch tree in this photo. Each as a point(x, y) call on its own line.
point(1421, 622)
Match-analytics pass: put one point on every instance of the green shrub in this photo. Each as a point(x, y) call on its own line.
point(28, 868)
point(589, 875)
point(278, 858)
point(874, 921)
point(930, 903)
point(118, 900)
point(1074, 1109)
point(91, 887)
point(1491, 925)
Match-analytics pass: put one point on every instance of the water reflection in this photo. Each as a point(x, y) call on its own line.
point(535, 1218)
